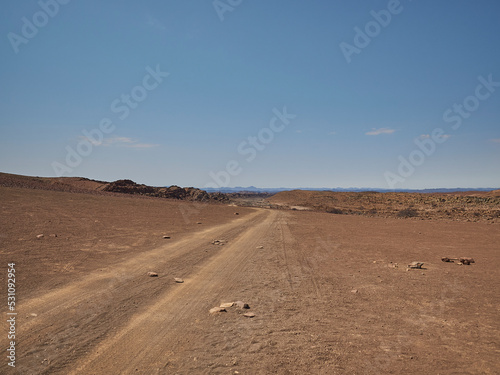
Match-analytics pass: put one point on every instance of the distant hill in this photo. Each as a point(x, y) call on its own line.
point(85, 185)
point(254, 189)
point(464, 206)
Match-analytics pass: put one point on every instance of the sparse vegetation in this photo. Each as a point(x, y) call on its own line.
point(401, 205)
point(407, 212)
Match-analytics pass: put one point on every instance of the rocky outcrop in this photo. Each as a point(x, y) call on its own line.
point(88, 186)
point(172, 192)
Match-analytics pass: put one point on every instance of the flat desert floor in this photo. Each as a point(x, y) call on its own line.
point(331, 294)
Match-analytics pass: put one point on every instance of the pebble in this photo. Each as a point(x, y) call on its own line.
point(216, 310)
point(218, 242)
point(242, 305)
point(40, 236)
point(152, 274)
point(415, 265)
point(249, 315)
point(227, 304)
point(178, 280)
point(260, 247)
point(166, 237)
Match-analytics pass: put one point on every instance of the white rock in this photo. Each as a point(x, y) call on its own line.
point(216, 310)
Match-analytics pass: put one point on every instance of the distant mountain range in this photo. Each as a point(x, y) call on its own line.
point(254, 189)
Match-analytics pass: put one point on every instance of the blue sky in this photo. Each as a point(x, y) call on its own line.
point(354, 118)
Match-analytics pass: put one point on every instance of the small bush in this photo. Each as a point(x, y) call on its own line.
point(336, 211)
point(407, 212)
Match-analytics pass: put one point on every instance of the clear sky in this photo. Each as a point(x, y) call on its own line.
point(331, 93)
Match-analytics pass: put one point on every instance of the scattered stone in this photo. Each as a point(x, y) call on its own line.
point(415, 265)
point(242, 305)
point(219, 242)
point(33, 314)
point(40, 236)
point(216, 310)
point(460, 261)
point(354, 291)
point(178, 280)
point(166, 237)
point(53, 235)
point(466, 261)
point(152, 274)
point(236, 213)
point(227, 304)
point(199, 222)
point(260, 247)
point(249, 315)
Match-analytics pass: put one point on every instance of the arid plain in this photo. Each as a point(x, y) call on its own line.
point(330, 293)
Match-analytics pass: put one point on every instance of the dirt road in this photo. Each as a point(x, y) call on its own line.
point(330, 294)
point(118, 319)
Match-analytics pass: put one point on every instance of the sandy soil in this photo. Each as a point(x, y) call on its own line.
point(330, 293)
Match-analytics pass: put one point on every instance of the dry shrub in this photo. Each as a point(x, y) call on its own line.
point(407, 212)
point(336, 211)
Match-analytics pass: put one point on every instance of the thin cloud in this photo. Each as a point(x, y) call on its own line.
point(428, 136)
point(142, 145)
point(118, 142)
point(332, 133)
point(380, 131)
point(495, 140)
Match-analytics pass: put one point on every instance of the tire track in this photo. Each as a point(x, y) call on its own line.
point(152, 339)
point(71, 320)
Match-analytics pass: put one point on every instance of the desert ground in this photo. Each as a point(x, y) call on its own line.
point(330, 293)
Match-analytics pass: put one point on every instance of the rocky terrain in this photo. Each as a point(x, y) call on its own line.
point(173, 192)
point(460, 206)
point(85, 185)
point(463, 206)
